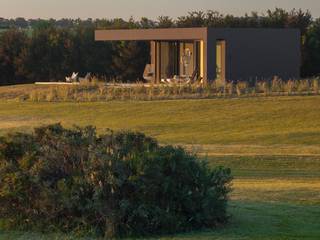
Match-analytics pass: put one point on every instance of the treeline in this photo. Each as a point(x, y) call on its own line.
point(44, 50)
point(52, 53)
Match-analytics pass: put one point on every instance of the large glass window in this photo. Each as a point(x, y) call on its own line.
point(180, 59)
point(169, 59)
point(186, 59)
point(220, 60)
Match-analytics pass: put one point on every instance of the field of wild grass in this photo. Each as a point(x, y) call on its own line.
point(95, 90)
point(272, 144)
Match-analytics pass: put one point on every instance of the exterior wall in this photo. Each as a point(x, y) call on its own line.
point(250, 53)
point(256, 53)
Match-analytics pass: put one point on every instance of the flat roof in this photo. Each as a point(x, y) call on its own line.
point(151, 34)
point(154, 34)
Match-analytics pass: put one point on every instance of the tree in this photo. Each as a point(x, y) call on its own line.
point(146, 23)
point(215, 19)
point(312, 45)
point(90, 56)
point(13, 46)
point(48, 53)
point(21, 23)
point(193, 19)
point(165, 22)
point(299, 19)
point(4, 23)
point(130, 59)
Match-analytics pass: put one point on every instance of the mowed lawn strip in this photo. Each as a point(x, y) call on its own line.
point(266, 167)
point(248, 121)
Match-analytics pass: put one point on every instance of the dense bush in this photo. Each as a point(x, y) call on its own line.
point(312, 50)
point(13, 45)
point(48, 53)
point(115, 184)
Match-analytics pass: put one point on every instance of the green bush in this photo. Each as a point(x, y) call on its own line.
point(116, 184)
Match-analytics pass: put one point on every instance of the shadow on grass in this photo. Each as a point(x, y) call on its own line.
point(264, 221)
point(250, 221)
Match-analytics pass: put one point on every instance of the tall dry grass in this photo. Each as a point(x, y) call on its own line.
point(96, 90)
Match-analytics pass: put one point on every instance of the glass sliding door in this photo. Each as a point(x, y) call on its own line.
point(164, 60)
point(169, 66)
point(190, 59)
point(197, 60)
point(179, 59)
point(221, 60)
point(186, 59)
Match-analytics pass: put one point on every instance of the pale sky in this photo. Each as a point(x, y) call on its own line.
point(141, 8)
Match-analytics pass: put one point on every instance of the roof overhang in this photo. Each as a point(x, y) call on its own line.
point(169, 34)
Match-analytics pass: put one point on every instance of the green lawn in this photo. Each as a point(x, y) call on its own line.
point(258, 121)
point(271, 144)
point(250, 221)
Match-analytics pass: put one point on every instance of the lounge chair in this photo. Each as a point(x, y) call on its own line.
point(88, 77)
point(148, 73)
point(73, 78)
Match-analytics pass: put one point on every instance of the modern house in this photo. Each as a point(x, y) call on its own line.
point(216, 53)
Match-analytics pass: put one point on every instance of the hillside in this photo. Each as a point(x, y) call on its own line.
point(271, 144)
point(249, 121)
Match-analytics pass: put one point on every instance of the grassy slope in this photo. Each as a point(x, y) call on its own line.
point(276, 190)
point(262, 121)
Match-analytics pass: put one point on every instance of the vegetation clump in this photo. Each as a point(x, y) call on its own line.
point(116, 184)
point(98, 91)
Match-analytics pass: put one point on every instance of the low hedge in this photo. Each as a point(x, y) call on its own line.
point(116, 184)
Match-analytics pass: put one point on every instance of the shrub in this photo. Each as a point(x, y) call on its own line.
point(116, 184)
point(315, 85)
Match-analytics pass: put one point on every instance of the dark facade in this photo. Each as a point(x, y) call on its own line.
point(213, 53)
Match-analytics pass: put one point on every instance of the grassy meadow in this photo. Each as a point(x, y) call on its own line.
point(272, 145)
point(247, 121)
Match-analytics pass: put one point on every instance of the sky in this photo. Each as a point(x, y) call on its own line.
point(142, 8)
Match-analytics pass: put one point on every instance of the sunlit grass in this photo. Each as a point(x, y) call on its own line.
point(303, 191)
point(270, 167)
point(261, 121)
point(271, 144)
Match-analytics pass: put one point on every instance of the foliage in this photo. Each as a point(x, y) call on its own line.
point(115, 184)
point(13, 46)
point(312, 46)
point(50, 49)
point(129, 60)
point(97, 90)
